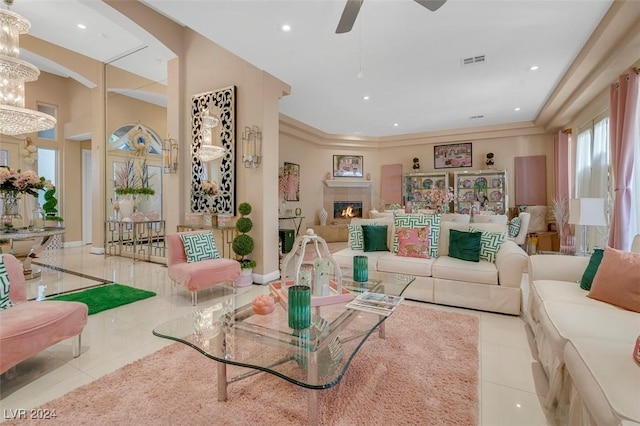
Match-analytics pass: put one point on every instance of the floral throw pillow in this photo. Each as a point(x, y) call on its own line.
point(5, 302)
point(413, 242)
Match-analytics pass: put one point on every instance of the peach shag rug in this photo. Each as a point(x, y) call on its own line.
point(425, 372)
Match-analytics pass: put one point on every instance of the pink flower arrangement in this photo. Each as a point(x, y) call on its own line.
point(27, 182)
point(438, 198)
point(210, 188)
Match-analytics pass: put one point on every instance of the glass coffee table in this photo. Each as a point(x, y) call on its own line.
point(315, 358)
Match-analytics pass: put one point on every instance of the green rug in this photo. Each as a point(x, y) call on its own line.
point(106, 297)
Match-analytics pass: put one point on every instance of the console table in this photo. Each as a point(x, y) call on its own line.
point(296, 220)
point(140, 240)
point(36, 240)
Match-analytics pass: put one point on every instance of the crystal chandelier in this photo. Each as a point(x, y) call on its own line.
point(15, 119)
point(208, 150)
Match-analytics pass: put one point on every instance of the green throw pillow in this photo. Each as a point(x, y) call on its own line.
point(592, 268)
point(5, 302)
point(419, 220)
point(490, 243)
point(464, 245)
point(199, 246)
point(375, 237)
point(514, 227)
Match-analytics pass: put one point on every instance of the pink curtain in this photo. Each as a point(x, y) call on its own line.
point(623, 101)
point(561, 165)
point(562, 183)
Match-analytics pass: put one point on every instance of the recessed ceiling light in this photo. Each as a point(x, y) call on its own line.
point(395, 124)
point(366, 98)
point(516, 109)
point(518, 405)
point(535, 67)
point(82, 26)
point(286, 28)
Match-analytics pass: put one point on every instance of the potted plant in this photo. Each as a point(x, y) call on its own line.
point(243, 246)
point(51, 218)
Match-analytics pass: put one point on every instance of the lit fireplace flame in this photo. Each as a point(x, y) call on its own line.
point(348, 212)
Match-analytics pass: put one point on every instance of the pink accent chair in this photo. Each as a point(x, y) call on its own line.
point(30, 327)
point(196, 276)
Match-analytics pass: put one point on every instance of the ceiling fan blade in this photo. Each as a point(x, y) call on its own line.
point(349, 15)
point(432, 5)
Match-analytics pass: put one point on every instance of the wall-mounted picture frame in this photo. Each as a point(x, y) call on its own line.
point(348, 166)
point(291, 175)
point(452, 156)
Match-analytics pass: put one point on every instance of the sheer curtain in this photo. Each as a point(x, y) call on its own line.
point(583, 173)
point(583, 164)
point(600, 186)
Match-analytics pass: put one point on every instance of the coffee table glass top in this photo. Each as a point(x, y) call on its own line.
point(314, 358)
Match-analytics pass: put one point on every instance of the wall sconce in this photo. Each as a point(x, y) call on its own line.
point(252, 146)
point(170, 155)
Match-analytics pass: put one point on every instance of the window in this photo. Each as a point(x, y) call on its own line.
point(47, 168)
point(4, 157)
point(52, 111)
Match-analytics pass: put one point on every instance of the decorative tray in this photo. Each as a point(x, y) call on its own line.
point(331, 299)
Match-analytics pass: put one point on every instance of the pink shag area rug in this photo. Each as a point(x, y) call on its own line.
point(425, 372)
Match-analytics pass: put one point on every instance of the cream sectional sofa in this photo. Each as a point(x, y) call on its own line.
point(445, 280)
point(584, 345)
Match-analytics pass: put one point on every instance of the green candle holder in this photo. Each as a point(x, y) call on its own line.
point(299, 306)
point(360, 268)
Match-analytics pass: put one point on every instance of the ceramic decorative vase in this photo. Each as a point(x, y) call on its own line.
point(323, 217)
point(126, 204)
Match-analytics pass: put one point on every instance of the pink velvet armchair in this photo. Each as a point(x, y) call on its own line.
point(30, 327)
point(199, 275)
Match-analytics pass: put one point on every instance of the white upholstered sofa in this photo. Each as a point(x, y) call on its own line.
point(445, 280)
point(584, 345)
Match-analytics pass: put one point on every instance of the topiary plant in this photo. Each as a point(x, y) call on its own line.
point(243, 244)
point(49, 206)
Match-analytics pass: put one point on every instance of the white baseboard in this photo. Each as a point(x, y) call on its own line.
point(97, 250)
point(68, 244)
point(266, 278)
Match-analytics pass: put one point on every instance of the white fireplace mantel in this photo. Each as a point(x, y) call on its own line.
point(331, 183)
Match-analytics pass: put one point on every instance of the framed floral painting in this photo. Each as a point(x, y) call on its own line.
point(289, 181)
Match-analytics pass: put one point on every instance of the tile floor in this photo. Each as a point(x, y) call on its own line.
point(512, 384)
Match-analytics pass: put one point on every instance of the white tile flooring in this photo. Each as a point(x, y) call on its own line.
point(512, 384)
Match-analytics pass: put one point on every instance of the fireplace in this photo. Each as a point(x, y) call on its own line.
point(347, 209)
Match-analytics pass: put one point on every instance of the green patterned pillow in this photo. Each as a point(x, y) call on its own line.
point(514, 227)
point(356, 237)
point(199, 246)
point(5, 302)
point(490, 243)
point(411, 220)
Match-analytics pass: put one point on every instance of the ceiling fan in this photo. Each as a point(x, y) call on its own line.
point(350, 12)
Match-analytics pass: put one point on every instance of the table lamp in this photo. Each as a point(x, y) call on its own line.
point(586, 212)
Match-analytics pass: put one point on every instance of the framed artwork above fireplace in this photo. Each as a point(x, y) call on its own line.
point(348, 166)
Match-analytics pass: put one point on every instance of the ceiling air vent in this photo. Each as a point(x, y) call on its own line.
point(480, 59)
point(476, 117)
